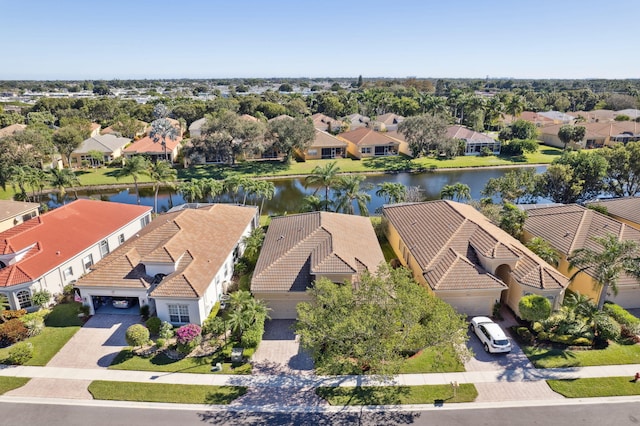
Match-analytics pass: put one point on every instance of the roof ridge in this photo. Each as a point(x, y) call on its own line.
point(587, 215)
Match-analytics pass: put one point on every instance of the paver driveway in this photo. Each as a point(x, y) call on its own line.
point(279, 351)
point(97, 343)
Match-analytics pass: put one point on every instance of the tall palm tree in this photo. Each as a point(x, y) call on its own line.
point(160, 172)
point(323, 176)
point(266, 190)
point(607, 264)
point(393, 192)
point(458, 191)
point(37, 179)
point(252, 244)
point(134, 167)
point(233, 184)
point(313, 203)
point(62, 179)
point(19, 179)
point(211, 188)
point(348, 192)
point(161, 130)
point(190, 191)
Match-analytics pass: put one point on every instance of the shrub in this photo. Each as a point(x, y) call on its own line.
point(41, 314)
point(253, 335)
point(10, 314)
point(20, 353)
point(166, 330)
point(160, 343)
point(188, 333)
point(13, 331)
point(189, 346)
point(543, 335)
point(213, 326)
point(496, 311)
point(534, 307)
point(607, 328)
point(537, 327)
point(525, 334)
point(41, 298)
point(153, 324)
point(34, 325)
point(565, 339)
point(144, 311)
point(137, 335)
point(581, 341)
point(622, 316)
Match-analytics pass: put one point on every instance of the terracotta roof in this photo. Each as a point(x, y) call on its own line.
point(600, 129)
point(147, 145)
point(299, 246)
point(447, 240)
point(281, 117)
point(12, 129)
point(60, 235)
point(102, 143)
point(465, 134)
point(390, 118)
point(10, 209)
point(198, 240)
point(367, 137)
point(326, 140)
point(627, 208)
point(322, 122)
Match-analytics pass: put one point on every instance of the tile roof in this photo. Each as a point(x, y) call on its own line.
point(198, 240)
point(61, 234)
point(102, 143)
point(368, 137)
point(627, 208)
point(197, 125)
point(10, 209)
point(447, 240)
point(326, 140)
point(322, 122)
point(570, 227)
point(12, 129)
point(599, 129)
point(299, 246)
point(463, 133)
point(390, 118)
point(147, 145)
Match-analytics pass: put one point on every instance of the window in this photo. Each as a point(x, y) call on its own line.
point(68, 273)
point(87, 261)
point(366, 150)
point(312, 152)
point(144, 221)
point(24, 299)
point(121, 239)
point(179, 313)
point(104, 248)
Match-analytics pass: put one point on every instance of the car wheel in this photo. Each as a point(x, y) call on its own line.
point(486, 347)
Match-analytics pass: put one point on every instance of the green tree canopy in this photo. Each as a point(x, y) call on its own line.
point(570, 133)
point(423, 133)
point(622, 177)
point(288, 135)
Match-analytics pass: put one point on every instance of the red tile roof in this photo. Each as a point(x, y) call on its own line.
point(147, 145)
point(61, 234)
point(367, 137)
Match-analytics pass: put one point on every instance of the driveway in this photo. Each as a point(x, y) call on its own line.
point(97, 343)
point(280, 352)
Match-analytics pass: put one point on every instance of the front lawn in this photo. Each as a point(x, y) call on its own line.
point(160, 392)
point(392, 395)
point(595, 387)
point(126, 360)
point(60, 325)
point(11, 383)
point(614, 354)
point(432, 361)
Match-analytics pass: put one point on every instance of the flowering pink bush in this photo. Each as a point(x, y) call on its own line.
point(188, 333)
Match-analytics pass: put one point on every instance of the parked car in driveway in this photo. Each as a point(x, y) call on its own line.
point(491, 335)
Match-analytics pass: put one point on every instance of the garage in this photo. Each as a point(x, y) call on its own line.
point(628, 297)
point(283, 306)
point(113, 301)
point(471, 304)
point(115, 305)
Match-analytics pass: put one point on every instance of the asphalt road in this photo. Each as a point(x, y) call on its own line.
point(611, 413)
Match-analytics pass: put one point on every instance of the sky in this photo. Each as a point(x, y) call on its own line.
point(137, 39)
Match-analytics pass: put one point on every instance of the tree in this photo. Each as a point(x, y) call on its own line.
point(512, 220)
point(393, 192)
point(522, 129)
point(534, 307)
point(458, 191)
point(423, 133)
point(607, 263)
point(569, 133)
point(265, 190)
point(622, 177)
point(227, 135)
point(313, 203)
point(543, 249)
point(289, 135)
point(160, 172)
point(137, 335)
point(517, 147)
point(559, 184)
point(68, 139)
point(62, 179)
point(326, 177)
point(589, 167)
point(252, 244)
point(96, 158)
point(127, 126)
point(41, 298)
point(161, 130)
point(371, 326)
point(160, 111)
point(515, 186)
point(134, 167)
point(190, 191)
point(348, 192)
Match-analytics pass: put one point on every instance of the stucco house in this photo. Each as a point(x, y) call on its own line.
point(597, 135)
point(195, 128)
point(179, 265)
point(324, 146)
point(13, 213)
point(364, 142)
point(357, 120)
point(387, 122)
point(570, 227)
point(325, 123)
point(110, 145)
point(301, 248)
point(461, 257)
point(475, 142)
point(154, 150)
point(58, 247)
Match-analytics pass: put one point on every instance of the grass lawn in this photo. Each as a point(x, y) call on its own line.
point(126, 360)
point(556, 358)
point(61, 324)
point(595, 387)
point(388, 395)
point(11, 383)
point(432, 361)
point(160, 392)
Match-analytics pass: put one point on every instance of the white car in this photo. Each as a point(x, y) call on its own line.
point(491, 335)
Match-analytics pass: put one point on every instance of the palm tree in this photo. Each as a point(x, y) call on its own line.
point(313, 203)
point(393, 192)
point(160, 172)
point(348, 192)
point(252, 244)
point(458, 191)
point(233, 184)
point(324, 176)
point(543, 249)
point(265, 190)
point(135, 167)
point(38, 178)
point(606, 265)
point(161, 130)
point(62, 179)
point(190, 191)
point(211, 188)
point(19, 179)
point(239, 321)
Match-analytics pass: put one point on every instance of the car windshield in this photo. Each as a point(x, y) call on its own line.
point(501, 342)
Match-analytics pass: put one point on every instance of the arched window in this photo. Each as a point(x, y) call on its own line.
point(24, 299)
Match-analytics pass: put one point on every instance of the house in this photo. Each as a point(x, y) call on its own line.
point(625, 210)
point(11, 130)
point(403, 148)
point(462, 258)
point(325, 123)
point(195, 129)
point(570, 227)
point(179, 265)
point(301, 248)
point(13, 213)
point(155, 150)
point(58, 247)
point(387, 122)
point(530, 116)
point(94, 129)
point(110, 145)
point(324, 146)
point(597, 135)
point(357, 120)
point(558, 117)
point(475, 142)
point(364, 142)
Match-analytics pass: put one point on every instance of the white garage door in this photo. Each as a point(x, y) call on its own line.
point(627, 298)
point(471, 306)
point(282, 309)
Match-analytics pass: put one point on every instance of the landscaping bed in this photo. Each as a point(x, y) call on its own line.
point(393, 395)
